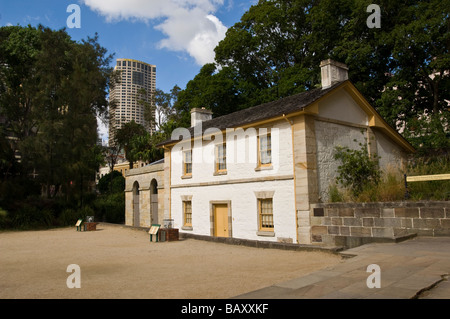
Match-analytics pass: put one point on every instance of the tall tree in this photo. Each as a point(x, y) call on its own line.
point(52, 90)
point(125, 136)
point(275, 50)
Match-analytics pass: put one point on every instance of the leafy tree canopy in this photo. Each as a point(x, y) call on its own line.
point(274, 51)
point(51, 90)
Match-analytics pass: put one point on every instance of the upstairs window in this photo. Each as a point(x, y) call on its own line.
point(221, 158)
point(265, 150)
point(187, 163)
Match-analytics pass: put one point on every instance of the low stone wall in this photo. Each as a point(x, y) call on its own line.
point(352, 224)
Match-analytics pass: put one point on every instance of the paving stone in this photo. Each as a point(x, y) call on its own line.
point(301, 281)
point(406, 268)
point(311, 291)
point(440, 291)
point(417, 282)
point(271, 292)
point(394, 293)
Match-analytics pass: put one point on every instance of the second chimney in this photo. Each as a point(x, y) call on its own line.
point(200, 115)
point(332, 72)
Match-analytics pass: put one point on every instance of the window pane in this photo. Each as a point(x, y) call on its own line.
point(187, 162)
point(221, 157)
point(265, 149)
point(187, 213)
point(138, 78)
point(266, 214)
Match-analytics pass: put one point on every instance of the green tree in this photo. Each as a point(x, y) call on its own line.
point(275, 50)
point(125, 136)
point(111, 183)
point(217, 91)
point(52, 89)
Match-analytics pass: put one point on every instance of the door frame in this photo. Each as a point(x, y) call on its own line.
point(212, 205)
point(154, 217)
point(136, 205)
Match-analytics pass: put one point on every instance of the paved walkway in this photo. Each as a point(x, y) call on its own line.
point(417, 268)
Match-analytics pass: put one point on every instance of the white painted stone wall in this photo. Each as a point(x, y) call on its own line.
point(341, 106)
point(241, 159)
point(244, 209)
point(239, 184)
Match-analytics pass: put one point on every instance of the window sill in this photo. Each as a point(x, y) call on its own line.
point(187, 228)
point(220, 173)
point(265, 233)
point(263, 168)
point(186, 176)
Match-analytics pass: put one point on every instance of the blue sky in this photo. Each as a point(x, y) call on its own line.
point(178, 36)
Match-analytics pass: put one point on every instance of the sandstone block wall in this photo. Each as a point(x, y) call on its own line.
point(331, 222)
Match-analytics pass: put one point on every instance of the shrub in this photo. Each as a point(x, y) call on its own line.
point(357, 170)
point(31, 217)
point(4, 222)
point(429, 165)
point(389, 188)
point(110, 208)
point(68, 217)
point(112, 182)
point(335, 194)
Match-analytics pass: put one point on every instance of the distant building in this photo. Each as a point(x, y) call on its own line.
point(136, 75)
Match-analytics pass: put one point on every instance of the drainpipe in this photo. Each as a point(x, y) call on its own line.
point(293, 171)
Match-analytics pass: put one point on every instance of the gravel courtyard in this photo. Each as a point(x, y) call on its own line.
point(120, 262)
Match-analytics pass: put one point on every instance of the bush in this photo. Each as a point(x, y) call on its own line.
point(391, 184)
point(110, 208)
point(357, 170)
point(31, 217)
point(335, 195)
point(429, 165)
point(389, 188)
point(4, 222)
point(68, 217)
point(112, 182)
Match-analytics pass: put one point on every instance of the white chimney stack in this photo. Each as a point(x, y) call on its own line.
point(333, 72)
point(200, 115)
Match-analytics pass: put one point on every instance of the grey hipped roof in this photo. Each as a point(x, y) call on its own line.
point(287, 105)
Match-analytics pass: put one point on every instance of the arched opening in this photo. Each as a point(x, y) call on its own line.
point(154, 201)
point(136, 217)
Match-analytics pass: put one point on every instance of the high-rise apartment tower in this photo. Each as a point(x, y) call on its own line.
point(136, 75)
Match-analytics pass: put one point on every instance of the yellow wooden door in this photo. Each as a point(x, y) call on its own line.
point(221, 220)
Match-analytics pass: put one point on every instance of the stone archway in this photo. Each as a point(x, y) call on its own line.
point(136, 215)
point(154, 201)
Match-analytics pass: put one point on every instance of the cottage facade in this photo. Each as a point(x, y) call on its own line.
point(254, 174)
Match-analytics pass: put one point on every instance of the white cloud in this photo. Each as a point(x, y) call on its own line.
point(189, 25)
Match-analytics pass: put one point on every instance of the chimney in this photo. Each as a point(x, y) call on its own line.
point(332, 72)
point(200, 115)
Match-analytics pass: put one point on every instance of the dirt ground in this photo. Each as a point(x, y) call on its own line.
point(120, 262)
